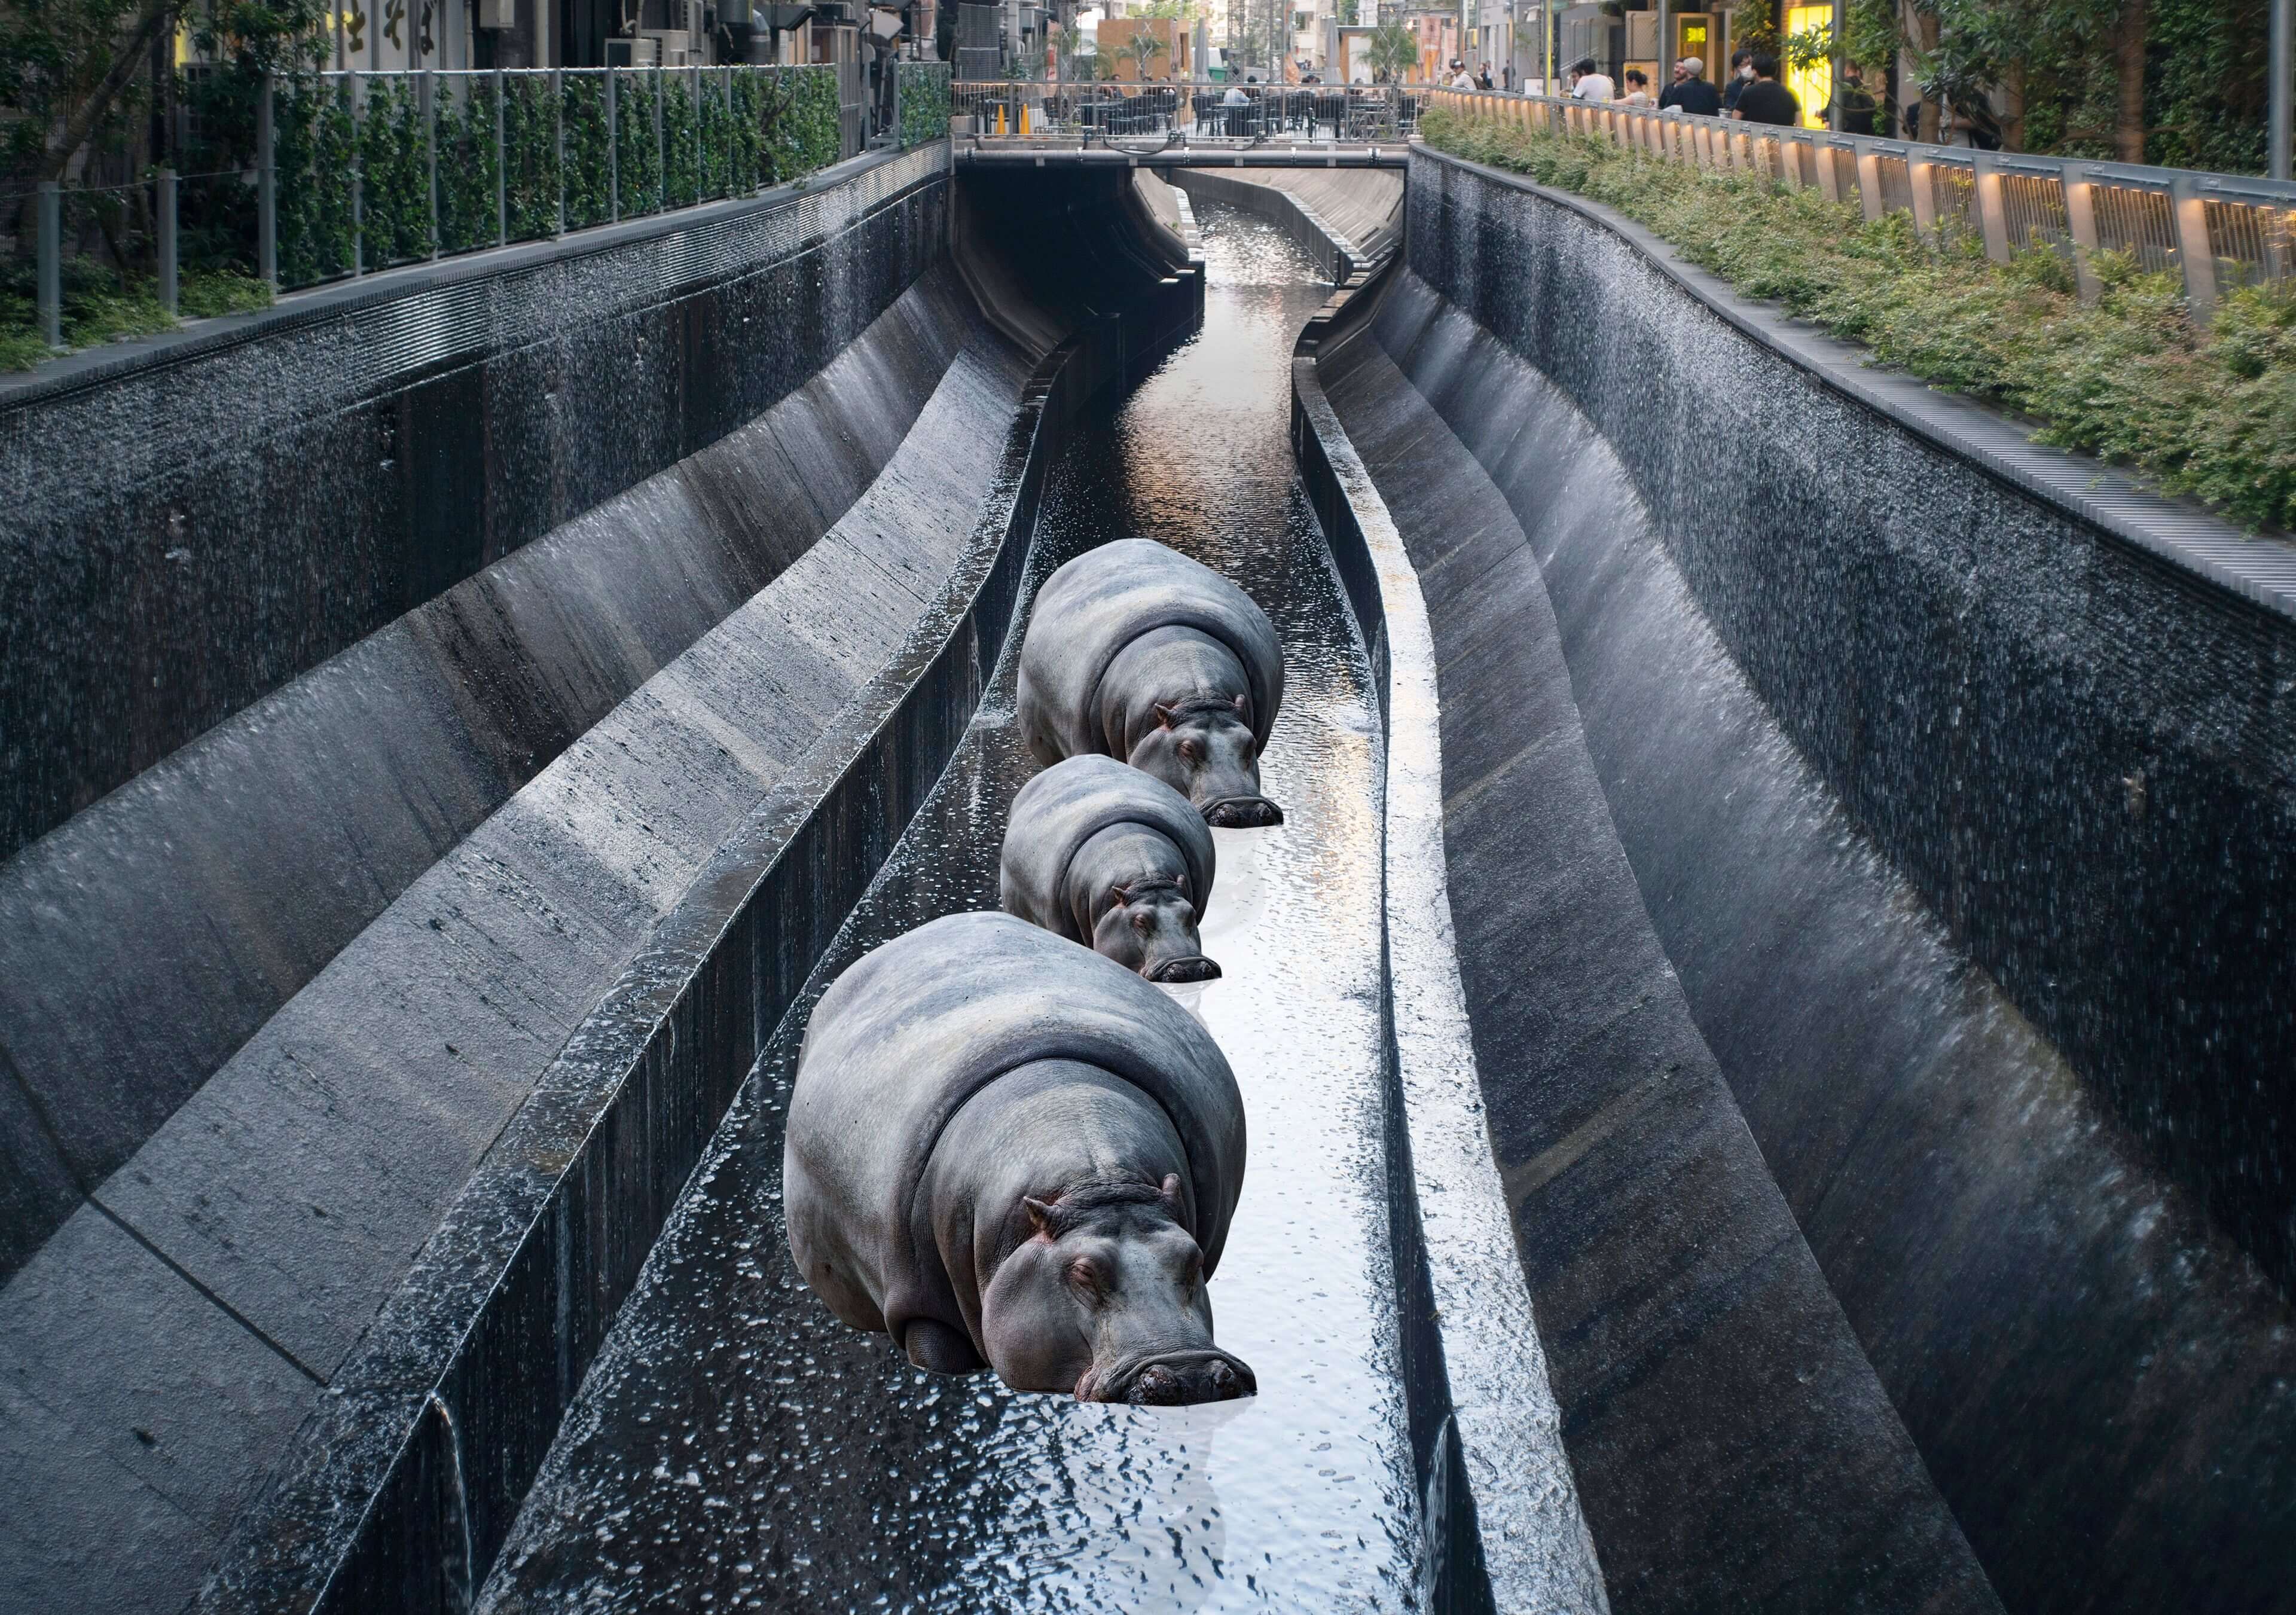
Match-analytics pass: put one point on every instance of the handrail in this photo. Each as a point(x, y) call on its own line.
point(2213, 230)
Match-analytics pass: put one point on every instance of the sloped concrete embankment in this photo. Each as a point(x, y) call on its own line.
point(1741, 649)
point(316, 1329)
point(1348, 220)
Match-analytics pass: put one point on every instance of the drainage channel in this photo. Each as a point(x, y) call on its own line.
point(733, 1447)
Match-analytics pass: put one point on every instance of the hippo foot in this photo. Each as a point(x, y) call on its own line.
point(1242, 813)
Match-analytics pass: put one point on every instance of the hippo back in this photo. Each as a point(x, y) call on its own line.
point(1096, 604)
point(899, 1044)
point(1061, 809)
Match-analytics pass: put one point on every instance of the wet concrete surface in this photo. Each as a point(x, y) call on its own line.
point(735, 1447)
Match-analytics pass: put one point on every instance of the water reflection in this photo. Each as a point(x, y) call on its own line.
point(735, 1446)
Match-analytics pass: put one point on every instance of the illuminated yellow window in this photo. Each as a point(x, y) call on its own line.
point(1694, 41)
point(1812, 86)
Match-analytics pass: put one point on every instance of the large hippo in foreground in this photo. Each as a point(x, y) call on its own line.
point(1100, 853)
point(1136, 651)
point(1004, 1149)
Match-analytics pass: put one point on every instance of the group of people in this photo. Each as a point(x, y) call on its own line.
point(1754, 95)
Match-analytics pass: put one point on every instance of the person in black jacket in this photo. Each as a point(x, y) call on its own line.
point(1766, 99)
point(1690, 91)
point(1742, 74)
point(1855, 106)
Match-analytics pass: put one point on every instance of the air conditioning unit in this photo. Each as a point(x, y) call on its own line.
point(673, 47)
point(625, 52)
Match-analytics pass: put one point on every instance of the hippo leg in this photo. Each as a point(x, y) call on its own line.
point(936, 1348)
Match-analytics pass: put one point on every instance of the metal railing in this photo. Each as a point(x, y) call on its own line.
point(355, 172)
point(1103, 110)
point(2214, 231)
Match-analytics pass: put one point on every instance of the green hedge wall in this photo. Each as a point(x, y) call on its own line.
point(680, 137)
point(925, 101)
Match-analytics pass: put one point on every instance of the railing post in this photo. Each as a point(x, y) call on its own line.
point(169, 288)
point(558, 137)
point(2080, 220)
point(2193, 249)
point(1869, 181)
point(266, 191)
point(1921, 179)
point(502, 164)
point(614, 147)
point(693, 97)
point(428, 95)
point(52, 264)
point(661, 150)
point(1992, 217)
point(359, 179)
point(1829, 181)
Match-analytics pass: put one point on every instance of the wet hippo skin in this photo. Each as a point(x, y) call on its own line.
point(1137, 652)
point(1103, 854)
point(1005, 1150)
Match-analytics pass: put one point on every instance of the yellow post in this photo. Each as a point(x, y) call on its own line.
point(1000, 118)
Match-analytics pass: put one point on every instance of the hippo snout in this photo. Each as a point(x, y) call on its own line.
point(1242, 813)
point(1195, 967)
point(1185, 1380)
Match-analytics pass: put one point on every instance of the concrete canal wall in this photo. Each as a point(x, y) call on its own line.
point(1968, 890)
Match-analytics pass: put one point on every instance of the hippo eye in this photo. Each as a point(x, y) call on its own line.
point(1143, 921)
point(1085, 1275)
point(1192, 750)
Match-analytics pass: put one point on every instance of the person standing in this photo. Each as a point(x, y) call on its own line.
point(1589, 84)
point(1767, 101)
point(1855, 106)
point(1690, 91)
point(1742, 74)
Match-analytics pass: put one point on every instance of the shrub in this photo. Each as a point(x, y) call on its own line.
point(2131, 378)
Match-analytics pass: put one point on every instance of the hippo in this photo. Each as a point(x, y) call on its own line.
point(1134, 651)
point(1100, 853)
point(1005, 1151)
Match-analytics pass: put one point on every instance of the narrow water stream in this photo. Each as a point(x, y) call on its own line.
point(735, 1447)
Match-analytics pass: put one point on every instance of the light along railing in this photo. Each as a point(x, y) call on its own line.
point(355, 172)
point(2216, 231)
point(1106, 110)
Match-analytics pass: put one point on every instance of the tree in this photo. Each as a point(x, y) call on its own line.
point(1141, 48)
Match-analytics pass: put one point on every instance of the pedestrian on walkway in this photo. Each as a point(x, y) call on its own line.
point(1587, 84)
point(1637, 88)
point(1766, 99)
point(1742, 74)
point(1690, 91)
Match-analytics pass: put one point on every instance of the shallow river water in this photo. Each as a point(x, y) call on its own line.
point(735, 1446)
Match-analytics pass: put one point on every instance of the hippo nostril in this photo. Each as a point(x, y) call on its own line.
point(1195, 967)
point(1224, 1384)
point(1157, 1388)
point(1244, 813)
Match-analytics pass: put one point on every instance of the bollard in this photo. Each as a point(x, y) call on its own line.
point(266, 192)
point(169, 292)
point(52, 264)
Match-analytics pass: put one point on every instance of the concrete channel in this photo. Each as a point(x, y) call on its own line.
point(1712, 1143)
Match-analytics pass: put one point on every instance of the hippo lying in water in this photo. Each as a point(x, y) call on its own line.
point(1136, 651)
point(1100, 853)
point(1003, 1149)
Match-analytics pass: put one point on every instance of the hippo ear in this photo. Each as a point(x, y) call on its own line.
point(1116, 896)
point(1164, 715)
point(1242, 710)
point(1168, 1191)
point(1040, 1215)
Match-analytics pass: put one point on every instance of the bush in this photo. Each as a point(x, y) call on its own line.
point(2131, 378)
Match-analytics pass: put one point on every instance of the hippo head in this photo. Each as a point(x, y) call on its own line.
point(1105, 1293)
point(1203, 748)
point(1149, 926)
